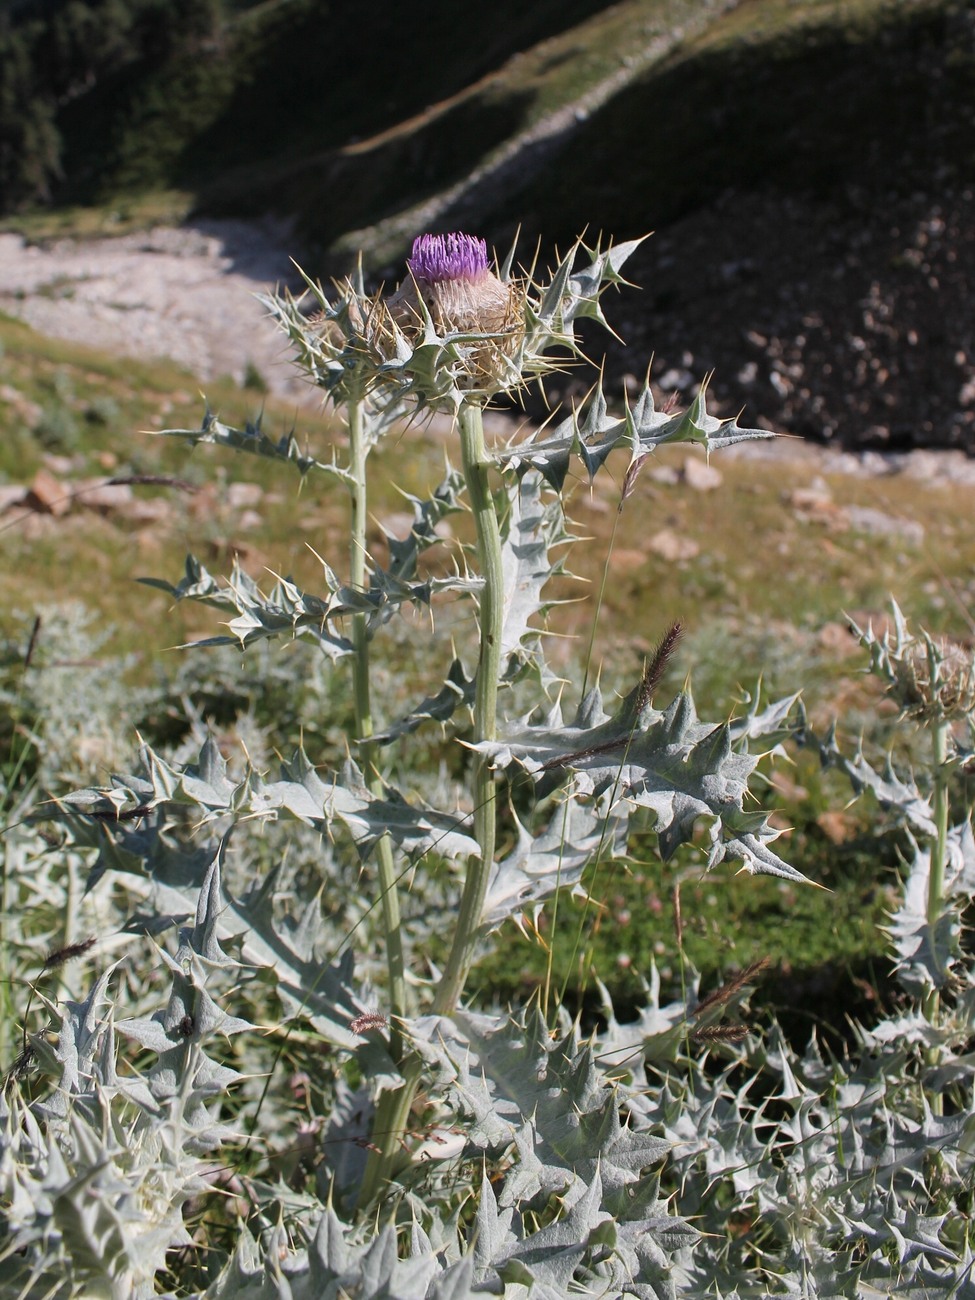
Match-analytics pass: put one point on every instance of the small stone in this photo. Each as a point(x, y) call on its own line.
point(60, 466)
point(788, 789)
point(665, 474)
point(671, 546)
point(675, 379)
point(866, 519)
point(701, 476)
point(11, 494)
point(103, 498)
point(398, 525)
point(816, 506)
point(147, 511)
point(48, 495)
point(243, 496)
point(836, 825)
point(626, 560)
point(23, 408)
point(836, 638)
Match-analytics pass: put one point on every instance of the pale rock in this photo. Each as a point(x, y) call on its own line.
point(816, 506)
point(675, 379)
point(867, 519)
point(243, 496)
point(104, 498)
point(61, 466)
point(146, 511)
point(626, 560)
point(671, 546)
point(398, 525)
point(837, 825)
point(836, 638)
point(701, 476)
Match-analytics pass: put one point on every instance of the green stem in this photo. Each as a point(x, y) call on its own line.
point(477, 464)
point(392, 1117)
point(389, 896)
point(931, 1002)
point(390, 1120)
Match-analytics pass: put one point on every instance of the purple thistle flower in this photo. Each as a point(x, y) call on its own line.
point(437, 258)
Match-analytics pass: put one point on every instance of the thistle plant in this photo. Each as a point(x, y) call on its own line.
point(932, 681)
point(454, 1150)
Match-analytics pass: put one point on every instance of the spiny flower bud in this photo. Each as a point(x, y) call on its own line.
point(451, 278)
point(936, 679)
point(461, 292)
point(931, 679)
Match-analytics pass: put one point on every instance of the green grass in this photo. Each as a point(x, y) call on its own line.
point(122, 214)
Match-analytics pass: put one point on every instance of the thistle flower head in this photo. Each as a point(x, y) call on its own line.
point(461, 294)
point(452, 287)
point(448, 257)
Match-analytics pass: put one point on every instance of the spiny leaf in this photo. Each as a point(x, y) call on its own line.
point(591, 434)
point(682, 770)
point(254, 440)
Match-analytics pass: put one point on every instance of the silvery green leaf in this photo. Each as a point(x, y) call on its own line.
point(82, 1028)
point(286, 610)
point(538, 865)
point(456, 1282)
point(456, 692)
point(367, 819)
point(925, 950)
point(493, 1235)
point(254, 440)
point(427, 514)
point(339, 1261)
point(900, 797)
point(593, 434)
point(511, 1075)
point(547, 1259)
point(778, 721)
point(530, 529)
point(656, 1032)
point(308, 981)
point(586, 286)
point(300, 792)
point(679, 768)
point(196, 584)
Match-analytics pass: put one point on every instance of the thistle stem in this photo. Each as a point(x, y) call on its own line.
point(939, 846)
point(389, 896)
point(392, 1113)
point(931, 1002)
point(476, 465)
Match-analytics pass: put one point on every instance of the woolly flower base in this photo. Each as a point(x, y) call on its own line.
point(451, 287)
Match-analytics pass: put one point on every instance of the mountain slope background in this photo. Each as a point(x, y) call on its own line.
point(807, 168)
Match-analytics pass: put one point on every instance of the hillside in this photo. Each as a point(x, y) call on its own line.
point(808, 170)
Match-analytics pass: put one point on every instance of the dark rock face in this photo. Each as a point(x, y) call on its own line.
point(845, 320)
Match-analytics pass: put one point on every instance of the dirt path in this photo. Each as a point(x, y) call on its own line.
point(186, 294)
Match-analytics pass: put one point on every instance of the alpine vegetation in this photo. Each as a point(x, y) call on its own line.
point(273, 1085)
